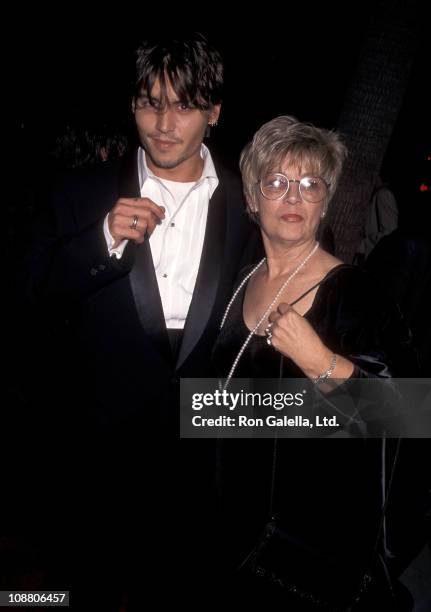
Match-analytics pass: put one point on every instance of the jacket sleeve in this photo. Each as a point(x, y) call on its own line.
point(68, 258)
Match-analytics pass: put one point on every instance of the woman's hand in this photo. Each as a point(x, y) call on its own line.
point(294, 337)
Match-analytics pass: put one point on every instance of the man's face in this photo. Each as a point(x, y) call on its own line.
point(172, 134)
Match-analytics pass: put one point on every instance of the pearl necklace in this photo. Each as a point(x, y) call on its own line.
point(267, 311)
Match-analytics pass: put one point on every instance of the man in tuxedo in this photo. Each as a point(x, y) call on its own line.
point(137, 259)
point(142, 253)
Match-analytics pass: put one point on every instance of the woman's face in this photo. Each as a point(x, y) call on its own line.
point(291, 218)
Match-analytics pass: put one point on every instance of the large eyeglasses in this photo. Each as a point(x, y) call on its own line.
point(276, 185)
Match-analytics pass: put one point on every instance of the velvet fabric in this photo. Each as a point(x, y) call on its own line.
point(328, 491)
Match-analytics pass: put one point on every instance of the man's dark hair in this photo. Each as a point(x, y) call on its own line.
point(192, 65)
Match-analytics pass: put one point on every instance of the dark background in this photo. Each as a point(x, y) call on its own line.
point(77, 69)
point(72, 68)
point(299, 59)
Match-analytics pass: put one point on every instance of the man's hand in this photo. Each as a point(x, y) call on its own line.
point(134, 219)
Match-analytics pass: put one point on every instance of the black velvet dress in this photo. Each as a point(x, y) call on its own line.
point(328, 491)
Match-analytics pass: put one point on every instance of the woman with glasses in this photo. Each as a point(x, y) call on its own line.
point(300, 312)
point(325, 318)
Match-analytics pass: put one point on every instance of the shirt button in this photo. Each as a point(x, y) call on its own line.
point(172, 224)
point(165, 276)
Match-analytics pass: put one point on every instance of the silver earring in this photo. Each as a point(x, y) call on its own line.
point(213, 123)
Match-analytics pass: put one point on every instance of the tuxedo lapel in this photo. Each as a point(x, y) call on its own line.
point(145, 289)
point(142, 277)
point(209, 274)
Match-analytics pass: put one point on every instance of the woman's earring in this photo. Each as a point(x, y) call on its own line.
point(254, 214)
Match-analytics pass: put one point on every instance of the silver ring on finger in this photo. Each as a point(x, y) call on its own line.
point(268, 328)
point(134, 222)
point(268, 333)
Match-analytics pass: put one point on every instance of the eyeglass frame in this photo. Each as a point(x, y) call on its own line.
point(259, 182)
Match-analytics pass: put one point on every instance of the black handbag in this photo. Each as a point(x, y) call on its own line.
point(295, 572)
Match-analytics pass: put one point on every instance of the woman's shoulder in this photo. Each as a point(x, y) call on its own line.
point(353, 287)
point(344, 274)
point(331, 271)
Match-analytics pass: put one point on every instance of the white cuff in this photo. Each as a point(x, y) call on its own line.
point(119, 250)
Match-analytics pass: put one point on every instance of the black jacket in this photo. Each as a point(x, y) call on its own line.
point(112, 308)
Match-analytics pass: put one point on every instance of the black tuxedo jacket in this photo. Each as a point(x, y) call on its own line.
point(121, 360)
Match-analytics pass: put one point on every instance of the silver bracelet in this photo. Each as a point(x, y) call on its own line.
point(327, 373)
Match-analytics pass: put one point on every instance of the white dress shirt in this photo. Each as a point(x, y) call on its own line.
point(176, 243)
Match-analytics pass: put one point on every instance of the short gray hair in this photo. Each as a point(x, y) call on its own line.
point(302, 144)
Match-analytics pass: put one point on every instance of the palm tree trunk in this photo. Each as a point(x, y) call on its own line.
point(367, 119)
